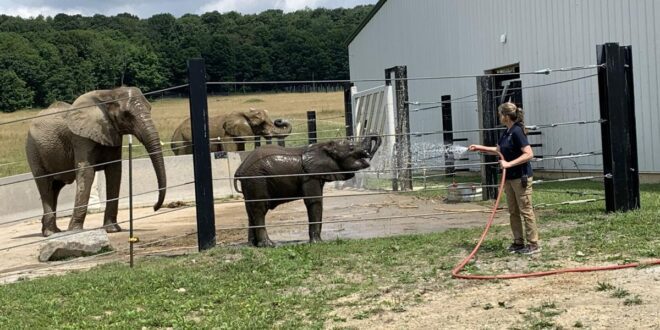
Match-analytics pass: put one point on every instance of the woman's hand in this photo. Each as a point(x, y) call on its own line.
point(474, 147)
point(504, 164)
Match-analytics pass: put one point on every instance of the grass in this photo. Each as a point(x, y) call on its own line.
point(620, 293)
point(168, 113)
point(308, 286)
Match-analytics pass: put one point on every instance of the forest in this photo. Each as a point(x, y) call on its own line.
point(47, 59)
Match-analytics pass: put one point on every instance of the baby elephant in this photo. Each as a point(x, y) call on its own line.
point(274, 175)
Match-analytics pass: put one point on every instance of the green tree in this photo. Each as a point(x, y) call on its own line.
point(61, 57)
point(14, 93)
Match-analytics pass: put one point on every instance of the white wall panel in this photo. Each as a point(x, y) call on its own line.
point(461, 37)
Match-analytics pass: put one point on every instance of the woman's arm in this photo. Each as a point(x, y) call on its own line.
point(488, 150)
point(527, 155)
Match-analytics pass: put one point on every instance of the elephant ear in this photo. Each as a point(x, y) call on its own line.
point(322, 158)
point(92, 119)
point(236, 126)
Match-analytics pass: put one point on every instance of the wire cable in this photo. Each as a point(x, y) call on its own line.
point(546, 71)
point(91, 105)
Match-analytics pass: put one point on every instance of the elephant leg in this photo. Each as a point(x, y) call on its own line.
point(230, 144)
point(187, 149)
point(314, 208)
point(240, 144)
point(257, 141)
point(49, 190)
point(215, 146)
point(84, 180)
point(257, 218)
point(269, 140)
point(280, 142)
point(113, 182)
point(315, 217)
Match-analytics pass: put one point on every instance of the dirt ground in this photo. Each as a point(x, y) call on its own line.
point(173, 229)
point(466, 305)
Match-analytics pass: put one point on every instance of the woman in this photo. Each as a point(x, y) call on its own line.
point(517, 153)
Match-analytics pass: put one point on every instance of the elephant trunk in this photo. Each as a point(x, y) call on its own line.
point(282, 128)
point(370, 144)
point(148, 135)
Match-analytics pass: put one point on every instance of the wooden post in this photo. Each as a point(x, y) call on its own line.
point(199, 123)
point(348, 109)
point(447, 136)
point(311, 126)
point(487, 119)
point(618, 131)
point(402, 146)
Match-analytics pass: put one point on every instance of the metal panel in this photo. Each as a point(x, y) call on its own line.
point(452, 37)
point(374, 113)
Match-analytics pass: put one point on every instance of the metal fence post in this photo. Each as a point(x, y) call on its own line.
point(487, 120)
point(447, 136)
point(206, 238)
point(618, 130)
point(131, 239)
point(348, 108)
point(311, 126)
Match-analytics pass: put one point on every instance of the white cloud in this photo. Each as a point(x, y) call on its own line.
point(244, 6)
point(293, 5)
point(256, 6)
point(147, 8)
point(34, 11)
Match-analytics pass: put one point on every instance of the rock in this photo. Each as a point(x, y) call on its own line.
point(69, 244)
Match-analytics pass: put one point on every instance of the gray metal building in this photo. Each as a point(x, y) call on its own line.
point(441, 38)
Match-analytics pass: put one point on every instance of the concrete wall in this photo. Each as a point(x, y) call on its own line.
point(20, 197)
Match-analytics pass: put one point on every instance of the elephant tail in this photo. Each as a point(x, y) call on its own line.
point(236, 185)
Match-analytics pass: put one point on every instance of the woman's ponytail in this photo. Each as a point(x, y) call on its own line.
point(520, 119)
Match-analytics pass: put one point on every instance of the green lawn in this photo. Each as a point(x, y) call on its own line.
point(297, 286)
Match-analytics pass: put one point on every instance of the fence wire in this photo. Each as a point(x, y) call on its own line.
point(91, 105)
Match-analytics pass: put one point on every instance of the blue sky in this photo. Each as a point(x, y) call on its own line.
point(147, 8)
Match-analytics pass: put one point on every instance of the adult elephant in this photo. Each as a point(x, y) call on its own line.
point(272, 175)
point(76, 140)
point(232, 130)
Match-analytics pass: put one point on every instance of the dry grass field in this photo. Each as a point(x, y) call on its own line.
point(169, 112)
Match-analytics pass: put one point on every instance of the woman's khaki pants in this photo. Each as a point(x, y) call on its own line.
point(519, 200)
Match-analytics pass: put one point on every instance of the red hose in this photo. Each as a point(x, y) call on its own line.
point(455, 272)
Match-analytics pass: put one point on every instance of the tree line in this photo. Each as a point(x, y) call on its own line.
point(47, 59)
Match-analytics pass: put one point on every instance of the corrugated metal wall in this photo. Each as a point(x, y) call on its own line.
point(462, 37)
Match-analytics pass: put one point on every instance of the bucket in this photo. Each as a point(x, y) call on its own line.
point(464, 192)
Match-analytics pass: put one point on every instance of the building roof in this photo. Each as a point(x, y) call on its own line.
point(365, 22)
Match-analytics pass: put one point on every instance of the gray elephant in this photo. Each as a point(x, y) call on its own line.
point(232, 129)
point(86, 137)
point(272, 175)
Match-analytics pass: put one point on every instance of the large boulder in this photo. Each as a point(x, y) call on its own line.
point(70, 244)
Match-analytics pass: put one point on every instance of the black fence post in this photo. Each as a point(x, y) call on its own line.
point(402, 144)
point(618, 130)
point(447, 136)
point(199, 123)
point(487, 120)
point(633, 185)
point(348, 109)
point(311, 126)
